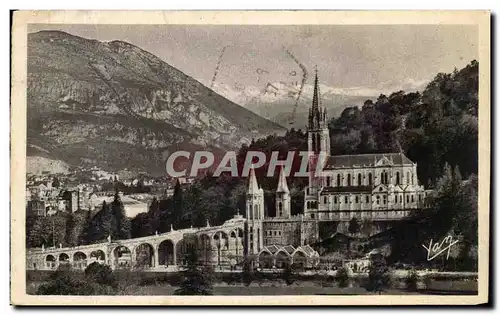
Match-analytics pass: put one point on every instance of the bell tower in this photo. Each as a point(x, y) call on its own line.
point(318, 136)
point(318, 143)
point(282, 197)
point(254, 215)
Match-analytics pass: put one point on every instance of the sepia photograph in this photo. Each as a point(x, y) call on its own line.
point(281, 158)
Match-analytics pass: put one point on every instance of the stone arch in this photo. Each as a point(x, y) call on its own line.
point(166, 253)
point(205, 248)
point(50, 261)
point(63, 258)
point(282, 259)
point(221, 240)
point(79, 260)
point(144, 256)
point(123, 256)
point(266, 259)
point(299, 259)
point(98, 255)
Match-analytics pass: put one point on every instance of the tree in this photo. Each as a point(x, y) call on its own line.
point(154, 215)
point(412, 280)
point(101, 274)
point(121, 228)
point(248, 273)
point(353, 226)
point(366, 227)
point(342, 277)
point(289, 275)
point(378, 274)
point(197, 279)
point(56, 183)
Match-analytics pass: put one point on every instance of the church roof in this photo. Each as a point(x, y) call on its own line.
point(345, 189)
point(360, 160)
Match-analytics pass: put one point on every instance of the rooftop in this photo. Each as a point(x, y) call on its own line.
point(360, 160)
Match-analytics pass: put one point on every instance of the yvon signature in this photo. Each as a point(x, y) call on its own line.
point(437, 249)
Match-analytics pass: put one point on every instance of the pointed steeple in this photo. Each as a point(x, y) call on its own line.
point(316, 112)
point(316, 100)
point(282, 185)
point(253, 187)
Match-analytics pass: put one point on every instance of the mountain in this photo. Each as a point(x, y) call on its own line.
point(117, 106)
point(277, 101)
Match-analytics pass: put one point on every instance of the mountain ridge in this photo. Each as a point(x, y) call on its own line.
point(87, 91)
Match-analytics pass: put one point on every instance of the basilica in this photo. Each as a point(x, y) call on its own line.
point(375, 189)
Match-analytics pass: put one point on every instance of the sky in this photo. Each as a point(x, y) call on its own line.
point(348, 57)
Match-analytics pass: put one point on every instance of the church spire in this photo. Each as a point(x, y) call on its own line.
point(316, 105)
point(316, 113)
point(282, 185)
point(253, 187)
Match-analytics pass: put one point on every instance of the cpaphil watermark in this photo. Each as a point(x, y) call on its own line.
point(311, 164)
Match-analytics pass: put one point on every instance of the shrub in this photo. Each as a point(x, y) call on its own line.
point(101, 274)
point(342, 277)
point(197, 280)
point(378, 276)
point(412, 280)
point(288, 275)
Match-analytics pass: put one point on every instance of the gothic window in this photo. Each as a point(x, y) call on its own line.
point(250, 212)
point(313, 143)
point(280, 209)
point(359, 179)
point(345, 199)
point(357, 200)
point(412, 200)
point(335, 199)
point(256, 212)
point(378, 200)
point(385, 199)
point(412, 178)
point(407, 198)
point(408, 178)
point(328, 181)
point(370, 179)
point(386, 177)
point(325, 199)
point(348, 179)
point(338, 180)
point(367, 199)
point(318, 143)
point(419, 197)
point(397, 179)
